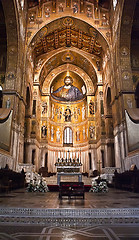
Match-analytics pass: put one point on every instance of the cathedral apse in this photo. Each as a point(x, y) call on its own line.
point(68, 123)
point(68, 89)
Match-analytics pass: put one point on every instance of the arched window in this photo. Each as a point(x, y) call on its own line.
point(1, 96)
point(109, 108)
point(68, 135)
point(114, 3)
point(22, 4)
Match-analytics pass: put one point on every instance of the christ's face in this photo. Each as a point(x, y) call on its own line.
point(68, 81)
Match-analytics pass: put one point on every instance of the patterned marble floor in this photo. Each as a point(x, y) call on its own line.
point(112, 200)
point(62, 233)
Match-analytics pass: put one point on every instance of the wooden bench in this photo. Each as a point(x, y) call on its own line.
point(71, 189)
point(10, 180)
point(128, 180)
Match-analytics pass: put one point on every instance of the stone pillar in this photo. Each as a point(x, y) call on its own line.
point(28, 153)
point(94, 163)
point(15, 147)
point(107, 156)
point(117, 144)
point(51, 161)
point(87, 161)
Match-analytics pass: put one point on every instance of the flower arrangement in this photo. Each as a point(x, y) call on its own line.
point(99, 187)
point(37, 185)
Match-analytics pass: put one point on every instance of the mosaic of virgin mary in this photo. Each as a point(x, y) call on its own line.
point(68, 92)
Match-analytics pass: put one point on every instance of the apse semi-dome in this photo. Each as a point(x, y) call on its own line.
point(68, 88)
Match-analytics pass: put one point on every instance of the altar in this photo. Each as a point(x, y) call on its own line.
point(68, 167)
point(59, 174)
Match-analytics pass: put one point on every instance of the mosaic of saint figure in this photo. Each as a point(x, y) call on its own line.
point(52, 134)
point(77, 135)
point(44, 131)
point(83, 133)
point(92, 131)
point(58, 135)
point(67, 92)
point(67, 115)
point(83, 112)
point(91, 108)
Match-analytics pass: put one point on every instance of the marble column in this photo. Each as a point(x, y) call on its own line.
point(94, 163)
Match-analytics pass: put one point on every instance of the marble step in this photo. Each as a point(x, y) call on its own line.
point(53, 180)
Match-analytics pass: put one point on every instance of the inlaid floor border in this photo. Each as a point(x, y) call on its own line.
point(69, 217)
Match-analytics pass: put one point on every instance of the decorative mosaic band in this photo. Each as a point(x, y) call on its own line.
point(68, 217)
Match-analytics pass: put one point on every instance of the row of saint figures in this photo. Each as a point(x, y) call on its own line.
point(78, 133)
point(68, 112)
point(92, 10)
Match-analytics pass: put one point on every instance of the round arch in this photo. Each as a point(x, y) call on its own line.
point(44, 30)
point(124, 46)
point(92, 32)
point(41, 63)
point(12, 41)
point(77, 70)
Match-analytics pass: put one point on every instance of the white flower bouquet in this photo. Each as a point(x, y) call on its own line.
point(99, 187)
point(37, 185)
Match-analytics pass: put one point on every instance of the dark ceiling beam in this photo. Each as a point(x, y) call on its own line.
point(92, 43)
point(80, 39)
point(44, 43)
point(56, 38)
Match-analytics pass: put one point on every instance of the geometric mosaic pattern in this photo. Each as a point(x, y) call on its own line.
point(69, 217)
